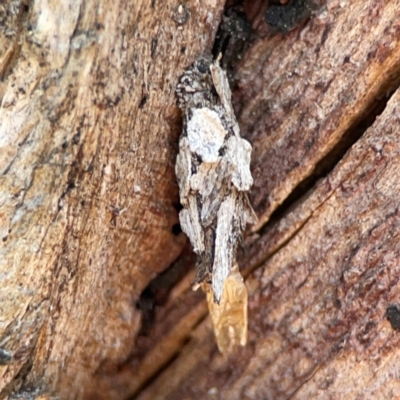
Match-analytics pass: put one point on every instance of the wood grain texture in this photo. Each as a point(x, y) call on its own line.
point(89, 132)
point(299, 95)
point(88, 138)
point(326, 270)
point(317, 307)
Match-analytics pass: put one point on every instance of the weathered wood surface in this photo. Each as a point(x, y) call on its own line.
point(299, 96)
point(89, 131)
point(89, 128)
point(325, 271)
point(317, 306)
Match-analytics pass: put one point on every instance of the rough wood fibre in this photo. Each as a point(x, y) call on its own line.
point(317, 307)
point(298, 95)
point(88, 134)
point(294, 295)
point(302, 297)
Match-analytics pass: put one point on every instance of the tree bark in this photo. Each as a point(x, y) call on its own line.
point(89, 129)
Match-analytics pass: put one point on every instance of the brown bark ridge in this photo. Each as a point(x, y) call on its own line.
point(88, 130)
point(324, 270)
